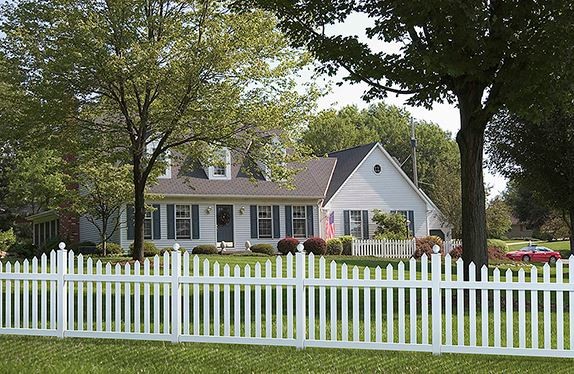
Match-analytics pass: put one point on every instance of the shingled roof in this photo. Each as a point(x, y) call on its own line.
point(311, 182)
point(347, 162)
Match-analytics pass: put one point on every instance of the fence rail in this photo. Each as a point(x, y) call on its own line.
point(393, 248)
point(300, 301)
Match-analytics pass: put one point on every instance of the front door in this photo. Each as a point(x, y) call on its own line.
point(224, 219)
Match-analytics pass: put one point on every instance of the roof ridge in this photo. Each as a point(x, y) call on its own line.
point(372, 144)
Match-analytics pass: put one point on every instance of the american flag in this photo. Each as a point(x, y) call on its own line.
point(330, 226)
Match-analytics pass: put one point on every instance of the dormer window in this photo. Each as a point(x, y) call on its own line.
point(223, 168)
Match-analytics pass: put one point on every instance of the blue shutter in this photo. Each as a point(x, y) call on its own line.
point(130, 221)
point(170, 221)
point(195, 222)
point(346, 222)
point(276, 222)
point(156, 230)
point(253, 220)
point(411, 214)
point(310, 222)
point(366, 234)
point(288, 221)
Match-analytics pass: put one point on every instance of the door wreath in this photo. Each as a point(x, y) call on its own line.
point(223, 218)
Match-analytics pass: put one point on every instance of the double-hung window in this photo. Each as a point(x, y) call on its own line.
point(356, 223)
point(299, 222)
point(148, 225)
point(183, 222)
point(265, 222)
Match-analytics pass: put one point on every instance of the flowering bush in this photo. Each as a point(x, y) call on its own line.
point(425, 244)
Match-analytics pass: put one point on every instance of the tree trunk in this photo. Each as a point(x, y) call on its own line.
point(470, 141)
point(139, 211)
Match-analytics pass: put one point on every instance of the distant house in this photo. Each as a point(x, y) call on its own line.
point(519, 230)
point(214, 204)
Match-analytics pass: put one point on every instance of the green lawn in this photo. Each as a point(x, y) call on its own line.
point(51, 355)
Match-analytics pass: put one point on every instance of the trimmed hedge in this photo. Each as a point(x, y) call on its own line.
point(334, 246)
point(263, 248)
point(150, 249)
point(347, 241)
point(287, 245)
point(317, 246)
point(205, 249)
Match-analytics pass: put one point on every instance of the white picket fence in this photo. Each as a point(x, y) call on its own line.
point(392, 248)
point(293, 302)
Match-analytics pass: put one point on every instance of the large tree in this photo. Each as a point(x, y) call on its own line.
point(160, 76)
point(540, 154)
point(477, 54)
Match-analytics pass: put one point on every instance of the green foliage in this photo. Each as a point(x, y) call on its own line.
point(334, 246)
point(112, 249)
point(263, 248)
point(498, 219)
point(390, 226)
point(347, 241)
point(23, 250)
point(51, 244)
point(205, 249)
point(317, 246)
point(287, 245)
point(150, 249)
point(555, 227)
point(498, 244)
point(7, 239)
point(526, 204)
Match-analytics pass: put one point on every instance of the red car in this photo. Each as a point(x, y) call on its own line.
point(534, 253)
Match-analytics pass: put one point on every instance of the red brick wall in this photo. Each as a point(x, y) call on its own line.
point(69, 227)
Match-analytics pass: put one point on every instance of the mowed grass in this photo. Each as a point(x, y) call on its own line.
point(52, 355)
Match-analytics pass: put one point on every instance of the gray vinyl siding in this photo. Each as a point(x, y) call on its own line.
point(207, 221)
point(89, 233)
point(386, 191)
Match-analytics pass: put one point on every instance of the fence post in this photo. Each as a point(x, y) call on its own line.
point(62, 305)
point(300, 308)
point(175, 294)
point(436, 302)
point(353, 249)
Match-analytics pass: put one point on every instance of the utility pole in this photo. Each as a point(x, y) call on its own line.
point(414, 153)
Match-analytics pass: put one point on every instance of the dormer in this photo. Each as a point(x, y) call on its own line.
point(165, 158)
point(222, 169)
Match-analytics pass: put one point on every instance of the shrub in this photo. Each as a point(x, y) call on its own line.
point(496, 243)
point(287, 245)
point(50, 245)
point(23, 250)
point(150, 249)
point(317, 246)
point(7, 240)
point(112, 249)
point(205, 249)
point(425, 244)
point(493, 253)
point(347, 242)
point(266, 249)
point(391, 226)
point(334, 247)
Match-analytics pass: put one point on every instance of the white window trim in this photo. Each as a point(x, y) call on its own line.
point(293, 220)
point(175, 218)
point(266, 219)
point(227, 176)
point(150, 218)
point(360, 222)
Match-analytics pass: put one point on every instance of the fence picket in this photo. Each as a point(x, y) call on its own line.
point(367, 305)
point(226, 304)
point(484, 305)
point(71, 270)
point(559, 308)
point(268, 301)
point(185, 324)
point(472, 305)
point(17, 306)
point(279, 298)
point(137, 299)
point(156, 288)
point(390, 306)
point(248, 306)
point(166, 293)
point(289, 296)
point(217, 298)
point(206, 303)
point(378, 307)
point(196, 295)
point(109, 299)
point(333, 301)
point(534, 307)
point(8, 296)
point(127, 301)
point(118, 303)
point(547, 306)
point(356, 317)
point(424, 301)
point(311, 291)
point(509, 310)
point(521, 312)
point(53, 296)
point(401, 311)
point(322, 301)
point(344, 304)
point(99, 306)
point(496, 307)
point(89, 296)
point(257, 301)
point(237, 303)
point(80, 296)
point(460, 303)
point(147, 299)
point(43, 293)
point(447, 298)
